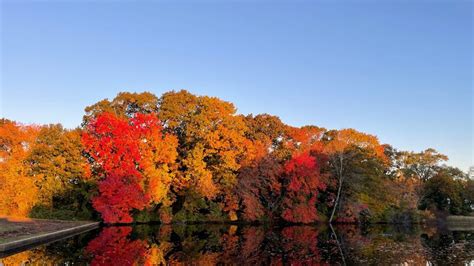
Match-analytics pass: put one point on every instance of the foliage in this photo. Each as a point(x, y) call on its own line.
point(61, 171)
point(113, 247)
point(18, 191)
point(302, 183)
point(260, 190)
point(130, 158)
point(189, 158)
point(211, 144)
point(422, 165)
point(444, 192)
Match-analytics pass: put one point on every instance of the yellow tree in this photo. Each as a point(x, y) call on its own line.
point(56, 161)
point(18, 189)
point(158, 162)
point(211, 142)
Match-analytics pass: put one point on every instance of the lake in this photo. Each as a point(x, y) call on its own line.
point(209, 244)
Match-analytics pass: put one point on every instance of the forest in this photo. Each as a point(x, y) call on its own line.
point(186, 158)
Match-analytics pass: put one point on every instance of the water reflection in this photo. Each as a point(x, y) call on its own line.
point(256, 245)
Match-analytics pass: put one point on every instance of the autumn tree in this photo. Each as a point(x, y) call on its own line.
point(266, 134)
point(422, 165)
point(302, 184)
point(260, 189)
point(211, 144)
point(125, 104)
point(132, 160)
point(56, 162)
point(259, 178)
point(19, 193)
point(339, 145)
point(304, 138)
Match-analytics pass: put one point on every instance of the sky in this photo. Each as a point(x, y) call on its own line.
point(398, 69)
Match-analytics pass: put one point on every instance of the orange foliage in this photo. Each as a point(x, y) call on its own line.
point(19, 193)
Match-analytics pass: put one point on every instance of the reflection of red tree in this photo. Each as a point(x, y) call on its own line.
point(300, 245)
point(112, 247)
point(252, 239)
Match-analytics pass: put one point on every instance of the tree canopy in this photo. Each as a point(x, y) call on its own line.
point(185, 157)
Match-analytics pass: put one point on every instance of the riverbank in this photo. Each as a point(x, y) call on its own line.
point(16, 234)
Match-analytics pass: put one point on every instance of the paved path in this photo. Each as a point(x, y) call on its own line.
point(21, 235)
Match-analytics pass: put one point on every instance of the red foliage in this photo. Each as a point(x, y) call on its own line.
point(259, 188)
point(114, 145)
point(112, 247)
point(303, 178)
point(118, 195)
point(301, 246)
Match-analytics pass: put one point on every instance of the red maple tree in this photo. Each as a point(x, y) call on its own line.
point(303, 182)
point(113, 145)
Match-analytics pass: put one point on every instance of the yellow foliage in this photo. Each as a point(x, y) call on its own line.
point(18, 191)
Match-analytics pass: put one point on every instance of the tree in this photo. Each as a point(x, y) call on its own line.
point(132, 160)
point(125, 104)
point(443, 192)
point(211, 143)
point(56, 162)
point(266, 129)
point(302, 184)
point(19, 193)
point(422, 165)
point(260, 189)
point(339, 146)
point(468, 196)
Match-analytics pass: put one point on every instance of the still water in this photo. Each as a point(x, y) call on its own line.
point(206, 244)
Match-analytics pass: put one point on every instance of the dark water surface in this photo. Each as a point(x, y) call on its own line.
point(207, 244)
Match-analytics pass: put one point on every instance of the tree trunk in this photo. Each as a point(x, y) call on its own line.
point(340, 177)
point(338, 245)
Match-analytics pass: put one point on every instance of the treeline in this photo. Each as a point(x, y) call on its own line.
point(182, 157)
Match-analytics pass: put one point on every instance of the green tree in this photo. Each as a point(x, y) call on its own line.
point(443, 192)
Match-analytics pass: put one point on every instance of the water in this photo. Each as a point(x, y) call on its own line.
point(207, 244)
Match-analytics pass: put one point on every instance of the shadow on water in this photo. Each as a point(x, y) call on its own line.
point(255, 245)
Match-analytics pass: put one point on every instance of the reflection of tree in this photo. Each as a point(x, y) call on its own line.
point(251, 245)
point(206, 244)
point(22, 258)
point(382, 246)
point(454, 248)
point(113, 247)
point(64, 252)
point(300, 245)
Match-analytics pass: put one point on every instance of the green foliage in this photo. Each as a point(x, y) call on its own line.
point(447, 191)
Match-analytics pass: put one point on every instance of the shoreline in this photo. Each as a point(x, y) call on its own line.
point(15, 245)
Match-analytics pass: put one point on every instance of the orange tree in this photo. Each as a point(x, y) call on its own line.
point(18, 191)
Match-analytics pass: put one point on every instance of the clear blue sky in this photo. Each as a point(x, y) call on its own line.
point(401, 70)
